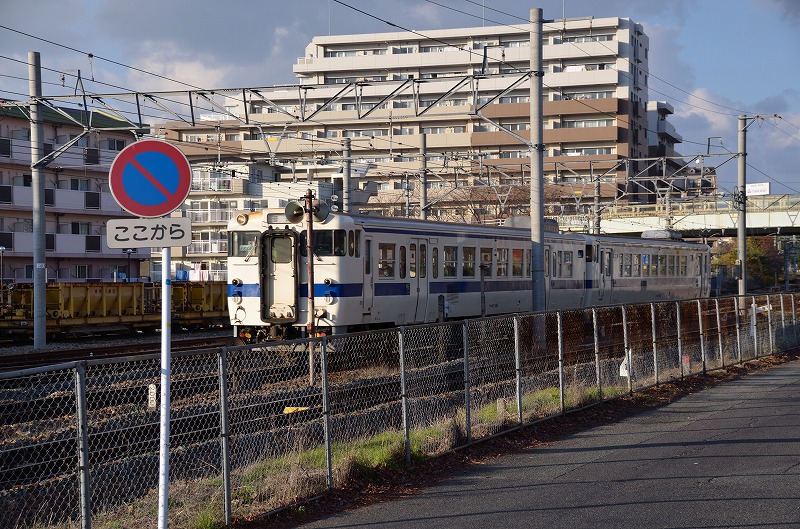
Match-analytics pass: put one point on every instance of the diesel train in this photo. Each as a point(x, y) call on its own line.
point(372, 272)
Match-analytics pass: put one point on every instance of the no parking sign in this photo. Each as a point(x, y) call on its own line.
point(150, 178)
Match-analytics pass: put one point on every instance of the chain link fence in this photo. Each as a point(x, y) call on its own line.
point(257, 428)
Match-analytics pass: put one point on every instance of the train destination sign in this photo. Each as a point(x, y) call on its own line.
point(149, 233)
point(150, 178)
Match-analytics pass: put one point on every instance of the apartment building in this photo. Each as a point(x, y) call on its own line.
point(466, 92)
point(77, 198)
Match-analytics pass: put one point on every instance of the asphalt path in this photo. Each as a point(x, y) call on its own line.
point(728, 456)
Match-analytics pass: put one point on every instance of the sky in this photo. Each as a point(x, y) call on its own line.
point(712, 60)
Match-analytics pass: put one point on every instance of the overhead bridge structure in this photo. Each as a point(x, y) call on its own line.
point(711, 217)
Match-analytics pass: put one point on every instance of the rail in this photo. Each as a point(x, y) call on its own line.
point(254, 428)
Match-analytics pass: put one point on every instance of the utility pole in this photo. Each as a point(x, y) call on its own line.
point(309, 209)
point(423, 174)
point(37, 176)
point(741, 202)
point(348, 167)
point(537, 167)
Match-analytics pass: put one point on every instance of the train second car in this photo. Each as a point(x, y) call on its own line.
point(373, 272)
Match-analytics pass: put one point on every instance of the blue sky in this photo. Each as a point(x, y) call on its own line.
point(711, 59)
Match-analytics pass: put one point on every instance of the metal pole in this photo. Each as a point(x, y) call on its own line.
point(719, 334)
point(423, 175)
point(702, 336)
point(741, 189)
point(537, 170)
point(769, 327)
point(628, 359)
point(738, 331)
point(348, 168)
point(598, 372)
point(404, 396)
point(655, 342)
point(754, 325)
point(37, 176)
point(680, 339)
point(224, 434)
point(518, 365)
point(467, 414)
point(166, 367)
point(326, 412)
point(83, 446)
point(310, 252)
point(561, 362)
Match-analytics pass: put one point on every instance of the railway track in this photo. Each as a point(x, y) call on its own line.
point(16, 362)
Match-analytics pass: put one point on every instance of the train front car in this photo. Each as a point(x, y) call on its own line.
point(268, 295)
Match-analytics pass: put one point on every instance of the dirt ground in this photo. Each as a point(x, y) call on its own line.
point(391, 485)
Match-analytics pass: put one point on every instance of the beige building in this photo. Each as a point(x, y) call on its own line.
point(77, 198)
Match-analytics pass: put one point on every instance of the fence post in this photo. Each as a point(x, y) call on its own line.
point(224, 434)
point(794, 322)
point(719, 333)
point(83, 446)
point(628, 356)
point(518, 365)
point(655, 342)
point(769, 327)
point(702, 335)
point(783, 321)
point(561, 362)
point(326, 411)
point(680, 336)
point(401, 336)
point(754, 324)
point(597, 355)
point(467, 415)
point(738, 331)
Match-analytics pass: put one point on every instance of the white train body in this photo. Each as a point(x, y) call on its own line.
point(372, 272)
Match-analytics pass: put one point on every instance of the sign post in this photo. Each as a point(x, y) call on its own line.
point(152, 178)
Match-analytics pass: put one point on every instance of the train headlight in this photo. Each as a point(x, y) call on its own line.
point(242, 219)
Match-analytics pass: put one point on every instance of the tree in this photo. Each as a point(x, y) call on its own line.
point(763, 260)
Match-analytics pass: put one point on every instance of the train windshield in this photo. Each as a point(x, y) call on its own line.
point(242, 243)
point(326, 243)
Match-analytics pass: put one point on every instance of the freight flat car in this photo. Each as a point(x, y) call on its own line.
point(91, 308)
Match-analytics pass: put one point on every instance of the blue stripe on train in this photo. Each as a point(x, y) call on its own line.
point(355, 290)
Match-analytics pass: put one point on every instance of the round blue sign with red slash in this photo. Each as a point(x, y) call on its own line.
point(150, 178)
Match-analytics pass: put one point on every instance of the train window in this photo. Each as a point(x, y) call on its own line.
point(468, 266)
point(330, 242)
point(412, 265)
point(386, 259)
point(516, 262)
point(662, 265)
point(528, 263)
point(351, 243)
point(546, 263)
point(435, 262)
point(357, 243)
point(243, 243)
point(567, 264)
point(281, 249)
point(450, 261)
point(402, 265)
point(645, 265)
point(423, 260)
point(621, 268)
point(486, 261)
point(636, 261)
point(683, 266)
point(367, 256)
point(626, 265)
point(671, 266)
point(589, 253)
point(556, 269)
point(502, 262)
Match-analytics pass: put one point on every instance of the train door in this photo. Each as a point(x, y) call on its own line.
point(279, 278)
point(418, 276)
point(366, 293)
point(705, 276)
point(605, 285)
